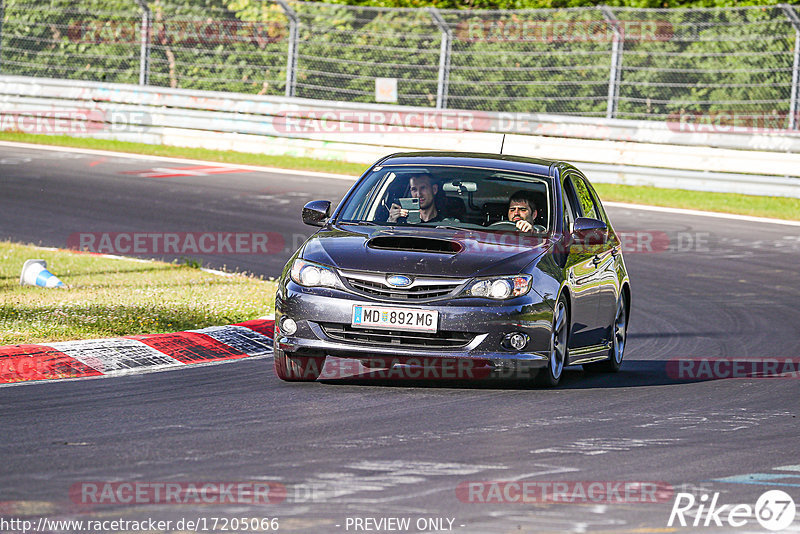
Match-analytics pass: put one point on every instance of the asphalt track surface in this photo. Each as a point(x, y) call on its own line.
point(374, 448)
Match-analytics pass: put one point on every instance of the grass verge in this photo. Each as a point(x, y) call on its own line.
point(758, 206)
point(110, 297)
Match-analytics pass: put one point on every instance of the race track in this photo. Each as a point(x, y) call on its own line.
point(374, 448)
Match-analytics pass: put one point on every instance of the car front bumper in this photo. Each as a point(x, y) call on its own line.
point(323, 317)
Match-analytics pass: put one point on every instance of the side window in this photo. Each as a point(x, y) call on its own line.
point(570, 205)
point(600, 210)
point(584, 197)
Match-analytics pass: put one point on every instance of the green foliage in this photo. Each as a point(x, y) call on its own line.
point(557, 4)
point(555, 60)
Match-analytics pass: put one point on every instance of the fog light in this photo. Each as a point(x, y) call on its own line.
point(516, 340)
point(288, 326)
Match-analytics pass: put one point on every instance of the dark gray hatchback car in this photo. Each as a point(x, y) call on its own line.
point(494, 262)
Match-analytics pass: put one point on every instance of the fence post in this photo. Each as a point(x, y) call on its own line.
point(291, 60)
point(144, 51)
point(615, 74)
point(2, 18)
point(795, 20)
point(444, 58)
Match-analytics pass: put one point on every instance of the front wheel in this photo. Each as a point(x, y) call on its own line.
point(297, 368)
point(620, 335)
point(559, 337)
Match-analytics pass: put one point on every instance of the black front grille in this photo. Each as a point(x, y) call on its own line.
point(396, 338)
point(412, 293)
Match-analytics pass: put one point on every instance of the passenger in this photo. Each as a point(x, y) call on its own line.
point(522, 211)
point(425, 191)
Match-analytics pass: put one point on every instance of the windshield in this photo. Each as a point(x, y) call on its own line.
point(469, 198)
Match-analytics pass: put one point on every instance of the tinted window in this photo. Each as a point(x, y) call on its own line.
point(600, 210)
point(464, 197)
point(584, 197)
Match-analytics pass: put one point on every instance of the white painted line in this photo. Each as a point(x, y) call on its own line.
point(787, 468)
point(681, 211)
point(130, 155)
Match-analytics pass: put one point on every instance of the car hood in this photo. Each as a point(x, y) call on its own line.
point(433, 252)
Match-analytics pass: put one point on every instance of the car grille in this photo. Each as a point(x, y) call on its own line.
point(394, 338)
point(375, 285)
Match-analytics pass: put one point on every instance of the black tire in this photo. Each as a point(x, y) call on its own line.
point(619, 333)
point(550, 376)
point(297, 368)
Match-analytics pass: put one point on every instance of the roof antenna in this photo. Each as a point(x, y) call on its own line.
point(503, 142)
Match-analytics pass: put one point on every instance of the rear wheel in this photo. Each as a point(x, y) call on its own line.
point(619, 331)
point(559, 338)
point(297, 368)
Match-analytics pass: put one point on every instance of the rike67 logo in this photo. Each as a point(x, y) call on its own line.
point(774, 510)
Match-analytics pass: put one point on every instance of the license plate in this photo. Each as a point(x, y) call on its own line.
point(395, 318)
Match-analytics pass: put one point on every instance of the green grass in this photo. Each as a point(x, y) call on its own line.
point(110, 297)
point(759, 206)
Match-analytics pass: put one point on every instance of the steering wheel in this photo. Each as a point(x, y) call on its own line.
point(509, 225)
point(503, 225)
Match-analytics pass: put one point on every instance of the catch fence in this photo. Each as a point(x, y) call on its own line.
point(728, 64)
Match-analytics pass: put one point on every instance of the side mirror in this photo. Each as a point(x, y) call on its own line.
point(316, 212)
point(589, 231)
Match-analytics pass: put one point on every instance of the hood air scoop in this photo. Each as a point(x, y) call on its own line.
point(415, 244)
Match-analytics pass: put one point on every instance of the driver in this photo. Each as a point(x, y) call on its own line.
point(421, 188)
point(522, 211)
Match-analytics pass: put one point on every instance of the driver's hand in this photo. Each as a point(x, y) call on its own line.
point(395, 212)
point(524, 226)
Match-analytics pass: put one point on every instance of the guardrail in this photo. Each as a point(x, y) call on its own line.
point(616, 151)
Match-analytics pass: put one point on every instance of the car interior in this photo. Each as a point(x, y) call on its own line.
point(471, 198)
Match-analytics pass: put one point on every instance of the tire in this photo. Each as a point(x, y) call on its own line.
point(619, 332)
point(297, 368)
point(550, 376)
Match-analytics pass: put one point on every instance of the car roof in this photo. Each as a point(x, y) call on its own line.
point(472, 159)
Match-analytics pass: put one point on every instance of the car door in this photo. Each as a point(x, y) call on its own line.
point(608, 257)
point(582, 273)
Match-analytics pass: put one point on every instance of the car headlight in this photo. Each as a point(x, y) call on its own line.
point(499, 288)
point(310, 274)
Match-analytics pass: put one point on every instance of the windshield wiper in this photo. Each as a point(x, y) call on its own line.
point(359, 223)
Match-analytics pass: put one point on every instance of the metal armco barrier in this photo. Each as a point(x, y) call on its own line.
point(615, 151)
